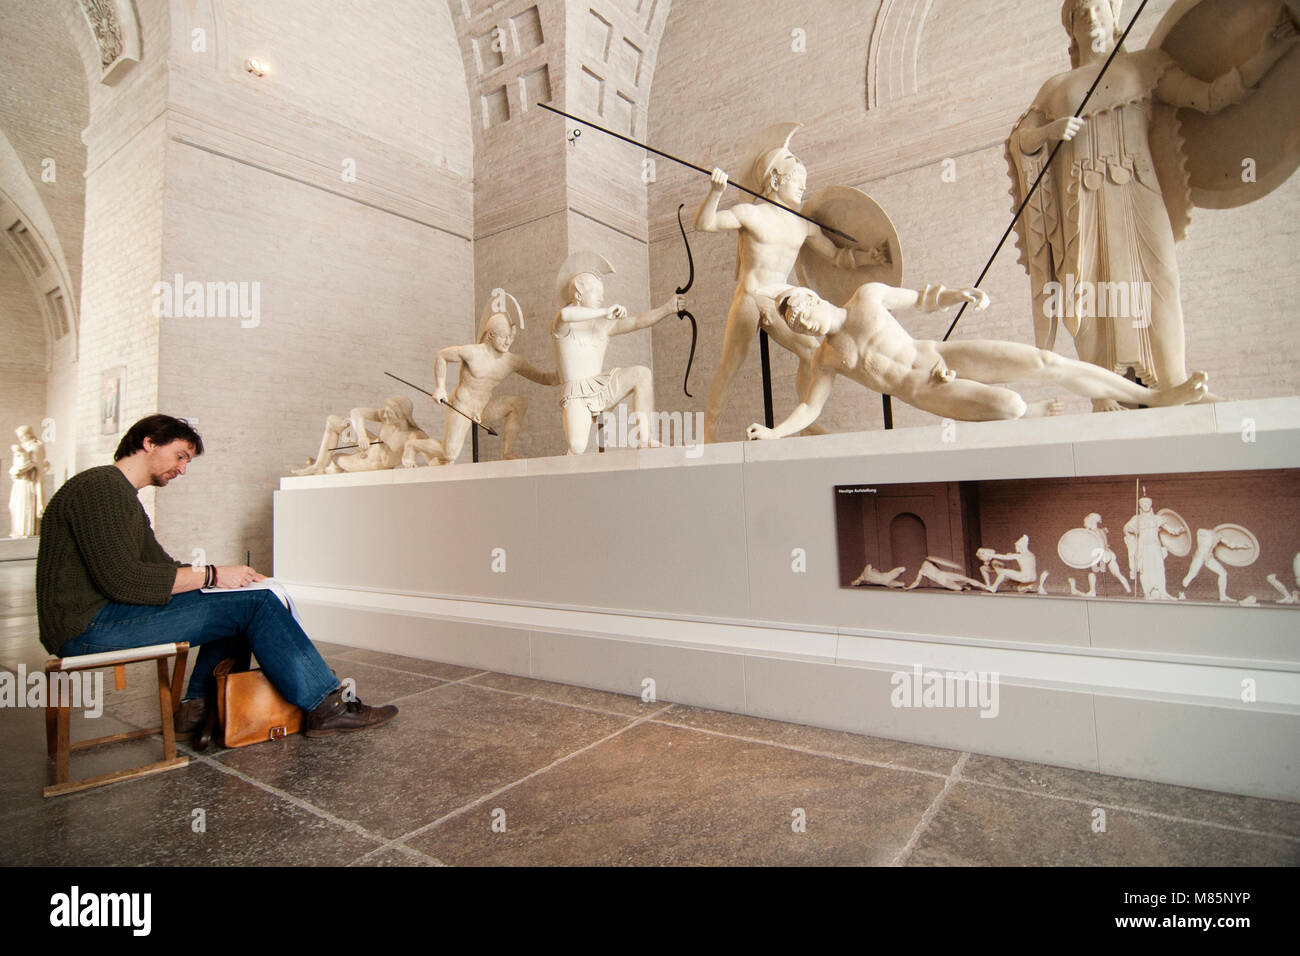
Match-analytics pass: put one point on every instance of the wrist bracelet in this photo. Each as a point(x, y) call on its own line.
point(214, 575)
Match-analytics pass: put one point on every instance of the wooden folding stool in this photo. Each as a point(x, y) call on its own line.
point(58, 713)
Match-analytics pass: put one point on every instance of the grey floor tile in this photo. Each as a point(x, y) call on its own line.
point(660, 795)
point(25, 768)
point(413, 665)
point(443, 750)
point(395, 856)
point(379, 685)
point(1248, 813)
point(856, 746)
point(568, 694)
point(151, 822)
point(978, 826)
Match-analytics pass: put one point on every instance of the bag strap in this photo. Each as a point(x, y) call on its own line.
point(221, 672)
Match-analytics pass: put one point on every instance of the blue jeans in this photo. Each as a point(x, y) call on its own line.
point(223, 624)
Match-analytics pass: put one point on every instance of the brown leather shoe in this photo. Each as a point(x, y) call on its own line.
point(190, 716)
point(335, 715)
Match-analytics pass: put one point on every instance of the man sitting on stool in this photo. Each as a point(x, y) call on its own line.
point(104, 583)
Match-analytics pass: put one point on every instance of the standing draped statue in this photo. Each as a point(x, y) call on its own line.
point(27, 496)
point(1098, 236)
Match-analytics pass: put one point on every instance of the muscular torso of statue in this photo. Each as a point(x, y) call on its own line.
point(769, 245)
point(580, 348)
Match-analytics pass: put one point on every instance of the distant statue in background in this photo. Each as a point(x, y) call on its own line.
point(27, 496)
point(1098, 238)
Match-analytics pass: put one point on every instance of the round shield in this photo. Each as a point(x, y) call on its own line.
point(1081, 548)
point(853, 212)
point(576, 265)
point(1245, 151)
point(1179, 545)
point(1237, 547)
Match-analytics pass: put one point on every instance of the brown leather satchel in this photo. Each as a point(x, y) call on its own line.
point(250, 709)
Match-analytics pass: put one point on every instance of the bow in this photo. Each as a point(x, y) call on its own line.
point(683, 313)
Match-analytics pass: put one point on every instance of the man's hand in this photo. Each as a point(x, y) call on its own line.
point(718, 181)
point(757, 432)
point(237, 576)
point(616, 312)
point(976, 297)
point(440, 394)
point(674, 305)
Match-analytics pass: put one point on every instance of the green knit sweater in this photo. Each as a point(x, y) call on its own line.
point(97, 545)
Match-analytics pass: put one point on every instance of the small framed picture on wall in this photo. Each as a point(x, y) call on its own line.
point(112, 390)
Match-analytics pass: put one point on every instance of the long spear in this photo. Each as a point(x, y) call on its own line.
point(487, 428)
point(698, 169)
point(1047, 165)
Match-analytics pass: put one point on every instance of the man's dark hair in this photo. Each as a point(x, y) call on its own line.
point(159, 429)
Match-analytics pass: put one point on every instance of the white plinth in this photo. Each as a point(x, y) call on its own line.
point(675, 566)
point(19, 549)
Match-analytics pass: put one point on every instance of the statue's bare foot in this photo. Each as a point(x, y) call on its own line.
point(511, 456)
point(1192, 390)
point(1250, 601)
point(1044, 409)
point(1106, 405)
point(308, 469)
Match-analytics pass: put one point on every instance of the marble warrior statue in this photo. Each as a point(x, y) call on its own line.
point(376, 452)
point(769, 240)
point(1107, 215)
point(580, 333)
point(957, 380)
point(482, 368)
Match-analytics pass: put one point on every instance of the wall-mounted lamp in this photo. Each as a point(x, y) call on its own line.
point(255, 66)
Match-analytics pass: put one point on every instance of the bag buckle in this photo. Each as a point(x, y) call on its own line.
point(278, 733)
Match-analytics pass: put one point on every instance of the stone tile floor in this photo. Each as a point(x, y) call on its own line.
point(489, 769)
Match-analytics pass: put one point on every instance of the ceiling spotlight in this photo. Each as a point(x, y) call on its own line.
point(255, 66)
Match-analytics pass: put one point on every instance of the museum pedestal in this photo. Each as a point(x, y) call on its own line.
point(708, 576)
point(19, 549)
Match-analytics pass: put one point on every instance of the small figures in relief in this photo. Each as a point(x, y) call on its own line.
point(1020, 567)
